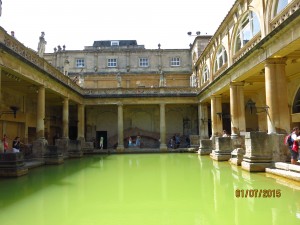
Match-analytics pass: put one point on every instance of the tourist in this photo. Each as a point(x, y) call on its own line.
point(129, 142)
point(177, 141)
point(138, 141)
point(5, 142)
point(295, 146)
point(225, 134)
point(16, 144)
point(101, 142)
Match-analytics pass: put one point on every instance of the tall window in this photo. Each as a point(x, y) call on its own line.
point(249, 27)
point(221, 58)
point(80, 63)
point(144, 62)
point(205, 74)
point(111, 62)
point(175, 61)
point(281, 5)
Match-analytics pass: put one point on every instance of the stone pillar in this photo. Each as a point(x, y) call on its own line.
point(40, 123)
point(80, 131)
point(276, 96)
point(65, 113)
point(63, 143)
point(237, 108)
point(163, 146)
point(216, 123)
point(39, 146)
point(120, 147)
point(203, 120)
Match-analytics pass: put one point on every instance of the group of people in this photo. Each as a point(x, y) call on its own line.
point(294, 145)
point(137, 141)
point(16, 143)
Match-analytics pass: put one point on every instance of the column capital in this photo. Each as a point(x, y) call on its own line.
point(275, 61)
point(237, 83)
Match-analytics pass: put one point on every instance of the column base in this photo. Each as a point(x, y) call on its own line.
point(163, 148)
point(120, 148)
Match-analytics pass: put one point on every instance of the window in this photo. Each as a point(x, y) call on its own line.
point(144, 62)
point(205, 74)
point(221, 58)
point(114, 43)
point(80, 63)
point(175, 61)
point(111, 62)
point(281, 5)
point(249, 27)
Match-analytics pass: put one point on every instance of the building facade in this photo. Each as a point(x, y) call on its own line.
point(243, 78)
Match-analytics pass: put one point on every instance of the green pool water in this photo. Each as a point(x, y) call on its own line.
point(147, 189)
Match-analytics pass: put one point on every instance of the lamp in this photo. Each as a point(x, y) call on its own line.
point(220, 115)
point(13, 110)
point(252, 105)
point(197, 33)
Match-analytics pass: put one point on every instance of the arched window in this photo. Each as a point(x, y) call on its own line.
point(296, 104)
point(205, 74)
point(281, 4)
point(221, 58)
point(248, 28)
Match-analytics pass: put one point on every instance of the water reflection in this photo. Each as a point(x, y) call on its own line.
point(160, 189)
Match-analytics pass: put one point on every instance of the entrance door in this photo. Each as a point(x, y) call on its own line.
point(101, 134)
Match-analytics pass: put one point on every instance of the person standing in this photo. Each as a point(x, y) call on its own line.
point(5, 142)
point(101, 142)
point(16, 144)
point(294, 148)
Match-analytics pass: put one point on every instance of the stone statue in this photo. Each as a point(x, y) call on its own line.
point(119, 80)
point(42, 45)
point(162, 82)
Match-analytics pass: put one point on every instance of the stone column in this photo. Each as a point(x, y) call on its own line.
point(39, 146)
point(203, 120)
point(237, 108)
point(216, 107)
point(120, 147)
point(163, 146)
point(80, 131)
point(278, 118)
point(40, 123)
point(65, 113)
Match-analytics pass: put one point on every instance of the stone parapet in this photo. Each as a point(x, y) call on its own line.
point(12, 165)
point(53, 155)
point(75, 150)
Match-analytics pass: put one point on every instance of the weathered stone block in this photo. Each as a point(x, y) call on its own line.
point(205, 147)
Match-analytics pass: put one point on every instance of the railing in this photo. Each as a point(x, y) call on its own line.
point(285, 14)
point(246, 48)
point(31, 56)
point(136, 92)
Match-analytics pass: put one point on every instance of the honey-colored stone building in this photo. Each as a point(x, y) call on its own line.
point(243, 78)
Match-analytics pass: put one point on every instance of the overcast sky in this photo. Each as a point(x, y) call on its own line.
point(77, 23)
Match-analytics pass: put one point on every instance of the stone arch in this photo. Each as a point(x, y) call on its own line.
point(223, 49)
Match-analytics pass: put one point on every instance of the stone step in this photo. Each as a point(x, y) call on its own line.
point(287, 166)
point(284, 173)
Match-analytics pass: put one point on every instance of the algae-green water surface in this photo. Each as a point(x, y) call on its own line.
point(147, 189)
